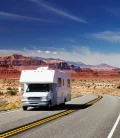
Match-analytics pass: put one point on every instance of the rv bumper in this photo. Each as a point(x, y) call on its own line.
point(42, 103)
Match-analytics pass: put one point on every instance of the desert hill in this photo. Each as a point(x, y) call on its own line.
point(11, 66)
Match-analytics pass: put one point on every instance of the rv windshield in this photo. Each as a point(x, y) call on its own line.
point(38, 88)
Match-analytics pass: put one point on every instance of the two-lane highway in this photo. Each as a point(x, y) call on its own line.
point(95, 121)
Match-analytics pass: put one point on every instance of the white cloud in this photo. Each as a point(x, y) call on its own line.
point(50, 48)
point(54, 53)
point(107, 35)
point(57, 11)
point(4, 15)
point(47, 52)
point(39, 51)
point(83, 54)
point(36, 50)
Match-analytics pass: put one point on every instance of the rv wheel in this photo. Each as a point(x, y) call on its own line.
point(49, 105)
point(24, 108)
point(64, 102)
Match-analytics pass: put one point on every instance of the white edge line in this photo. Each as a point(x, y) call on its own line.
point(6, 112)
point(77, 97)
point(114, 127)
point(118, 97)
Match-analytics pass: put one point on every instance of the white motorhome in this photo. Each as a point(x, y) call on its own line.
point(45, 87)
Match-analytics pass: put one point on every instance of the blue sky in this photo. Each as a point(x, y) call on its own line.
point(77, 30)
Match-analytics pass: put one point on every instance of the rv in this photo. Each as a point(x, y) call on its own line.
point(45, 87)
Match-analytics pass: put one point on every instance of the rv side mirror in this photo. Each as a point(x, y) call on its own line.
point(56, 88)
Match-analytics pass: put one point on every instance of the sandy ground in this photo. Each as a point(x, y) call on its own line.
point(96, 86)
point(8, 102)
point(78, 87)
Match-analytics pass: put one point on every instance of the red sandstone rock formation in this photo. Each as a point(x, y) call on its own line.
point(7, 71)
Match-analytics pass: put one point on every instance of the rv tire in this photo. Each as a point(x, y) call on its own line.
point(64, 102)
point(24, 108)
point(49, 105)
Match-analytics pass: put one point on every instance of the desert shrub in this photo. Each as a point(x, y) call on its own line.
point(3, 103)
point(18, 104)
point(12, 92)
point(12, 105)
point(9, 88)
point(118, 87)
point(9, 106)
point(73, 80)
point(1, 93)
point(96, 74)
point(89, 86)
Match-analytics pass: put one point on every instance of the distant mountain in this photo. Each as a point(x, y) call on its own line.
point(11, 66)
point(41, 58)
point(116, 69)
point(99, 67)
point(21, 62)
point(57, 59)
point(76, 63)
point(7, 71)
point(104, 65)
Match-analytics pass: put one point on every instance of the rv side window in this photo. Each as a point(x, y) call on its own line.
point(68, 82)
point(63, 82)
point(59, 82)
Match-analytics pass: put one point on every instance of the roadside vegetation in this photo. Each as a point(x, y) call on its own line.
point(118, 87)
point(1, 93)
point(11, 91)
point(96, 86)
point(10, 98)
point(75, 95)
point(4, 105)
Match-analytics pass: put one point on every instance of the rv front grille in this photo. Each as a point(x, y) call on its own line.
point(34, 98)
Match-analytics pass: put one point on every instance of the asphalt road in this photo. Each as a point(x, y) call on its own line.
point(95, 121)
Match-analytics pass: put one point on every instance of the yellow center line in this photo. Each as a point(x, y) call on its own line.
point(92, 102)
point(23, 128)
point(35, 124)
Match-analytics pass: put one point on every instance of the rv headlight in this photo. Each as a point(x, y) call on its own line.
point(45, 98)
point(24, 98)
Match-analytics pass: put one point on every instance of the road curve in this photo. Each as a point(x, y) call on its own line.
point(95, 121)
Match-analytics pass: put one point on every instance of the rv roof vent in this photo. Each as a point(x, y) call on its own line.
point(43, 68)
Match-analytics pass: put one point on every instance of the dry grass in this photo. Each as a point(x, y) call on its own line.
point(4, 106)
point(10, 98)
point(78, 86)
point(95, 86)
point(9, 83)
point(75, 95)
